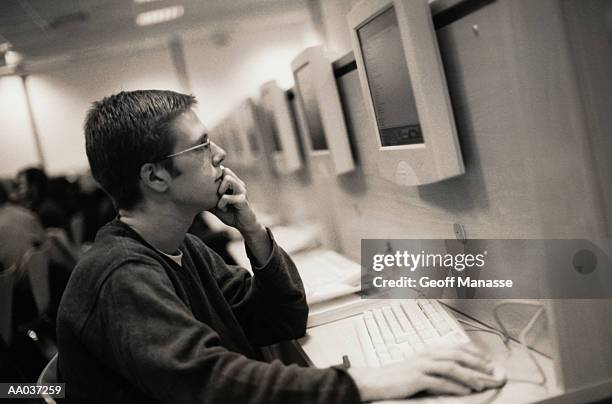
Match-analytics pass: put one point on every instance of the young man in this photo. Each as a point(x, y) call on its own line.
point(152, 315)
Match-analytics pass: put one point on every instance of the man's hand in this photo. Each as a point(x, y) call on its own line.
point(445, 370)
point(233, 208)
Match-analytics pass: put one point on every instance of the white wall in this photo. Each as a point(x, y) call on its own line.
point(338, 34)
point(17, 145)
point(222, 76)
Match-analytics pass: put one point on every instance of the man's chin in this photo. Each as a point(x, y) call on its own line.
point(198, 208)
point(210, 207)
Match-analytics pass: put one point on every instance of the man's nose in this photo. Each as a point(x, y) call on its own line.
point(218, 154)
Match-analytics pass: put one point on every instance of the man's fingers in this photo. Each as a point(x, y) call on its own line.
point(438, 385)
point(465, 347)
point(466, 358)
point(226, 187)
point(232, 200)
point(231, 185)
point(473, 349)
point(228, 171)
point(453, 370)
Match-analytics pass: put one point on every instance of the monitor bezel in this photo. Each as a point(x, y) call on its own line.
point(288, 159)
point(330, 109)
point(439, 157)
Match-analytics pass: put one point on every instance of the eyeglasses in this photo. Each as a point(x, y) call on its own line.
point(196, 147)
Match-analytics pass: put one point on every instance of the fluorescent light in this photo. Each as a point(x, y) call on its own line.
point(12, 58)
point(144, 1)
point(160, 15)
point(5, 47)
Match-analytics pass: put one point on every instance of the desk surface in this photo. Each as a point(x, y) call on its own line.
point(324, 346)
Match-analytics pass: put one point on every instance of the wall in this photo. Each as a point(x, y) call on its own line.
point(224, 74)
point(17, 147)
point(590, 39)
point(338, 39)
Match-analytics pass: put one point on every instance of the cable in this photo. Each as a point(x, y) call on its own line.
point(523, 340)
point(478, 327)
point(523, 334)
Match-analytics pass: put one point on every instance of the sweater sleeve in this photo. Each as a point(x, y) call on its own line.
point(153, 340)
point(270, 306)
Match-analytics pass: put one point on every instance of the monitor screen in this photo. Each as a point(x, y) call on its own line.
point(293, 107)
point(274, 129)
point(252, 136)
point(390, 87)
point(248, 127)
point(310, 107)
point(227, 138)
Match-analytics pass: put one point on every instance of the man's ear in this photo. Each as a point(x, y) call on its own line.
point(155, 177)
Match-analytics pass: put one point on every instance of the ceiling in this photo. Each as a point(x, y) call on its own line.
point(41, 29)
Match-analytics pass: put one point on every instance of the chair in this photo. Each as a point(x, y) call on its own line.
point(36, 262)
point(7, 279)
point(49, 375)
point(42, 329)
point(60, 248)
point(8, 361)
point(77, 227)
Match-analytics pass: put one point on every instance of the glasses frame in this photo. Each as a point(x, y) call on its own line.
point(196, 147)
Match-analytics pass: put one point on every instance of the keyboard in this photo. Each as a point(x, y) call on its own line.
point(391, 332)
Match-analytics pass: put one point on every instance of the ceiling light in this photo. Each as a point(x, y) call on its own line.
point(160, 15)
point(144, 1)
point(12, 58)
point(5, 47)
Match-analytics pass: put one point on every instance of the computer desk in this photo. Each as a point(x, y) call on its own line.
point(324, 346)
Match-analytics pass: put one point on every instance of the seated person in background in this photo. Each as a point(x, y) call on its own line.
point(32, 193)
point(151, 314)
point(96, 209)
point(20, 231)
point(48, 199)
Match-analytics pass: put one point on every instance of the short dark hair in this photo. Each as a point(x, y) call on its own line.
point(3, 194)
point(37, 183)
point(125, 131)
point(35, 176)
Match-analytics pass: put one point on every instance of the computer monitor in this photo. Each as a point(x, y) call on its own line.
point(244, 118)
point(405, 91)
point(318, 98)
point(230, 133)
point(219, 135)
point(286, 153)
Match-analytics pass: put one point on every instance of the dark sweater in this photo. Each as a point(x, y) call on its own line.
point(134, 326)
